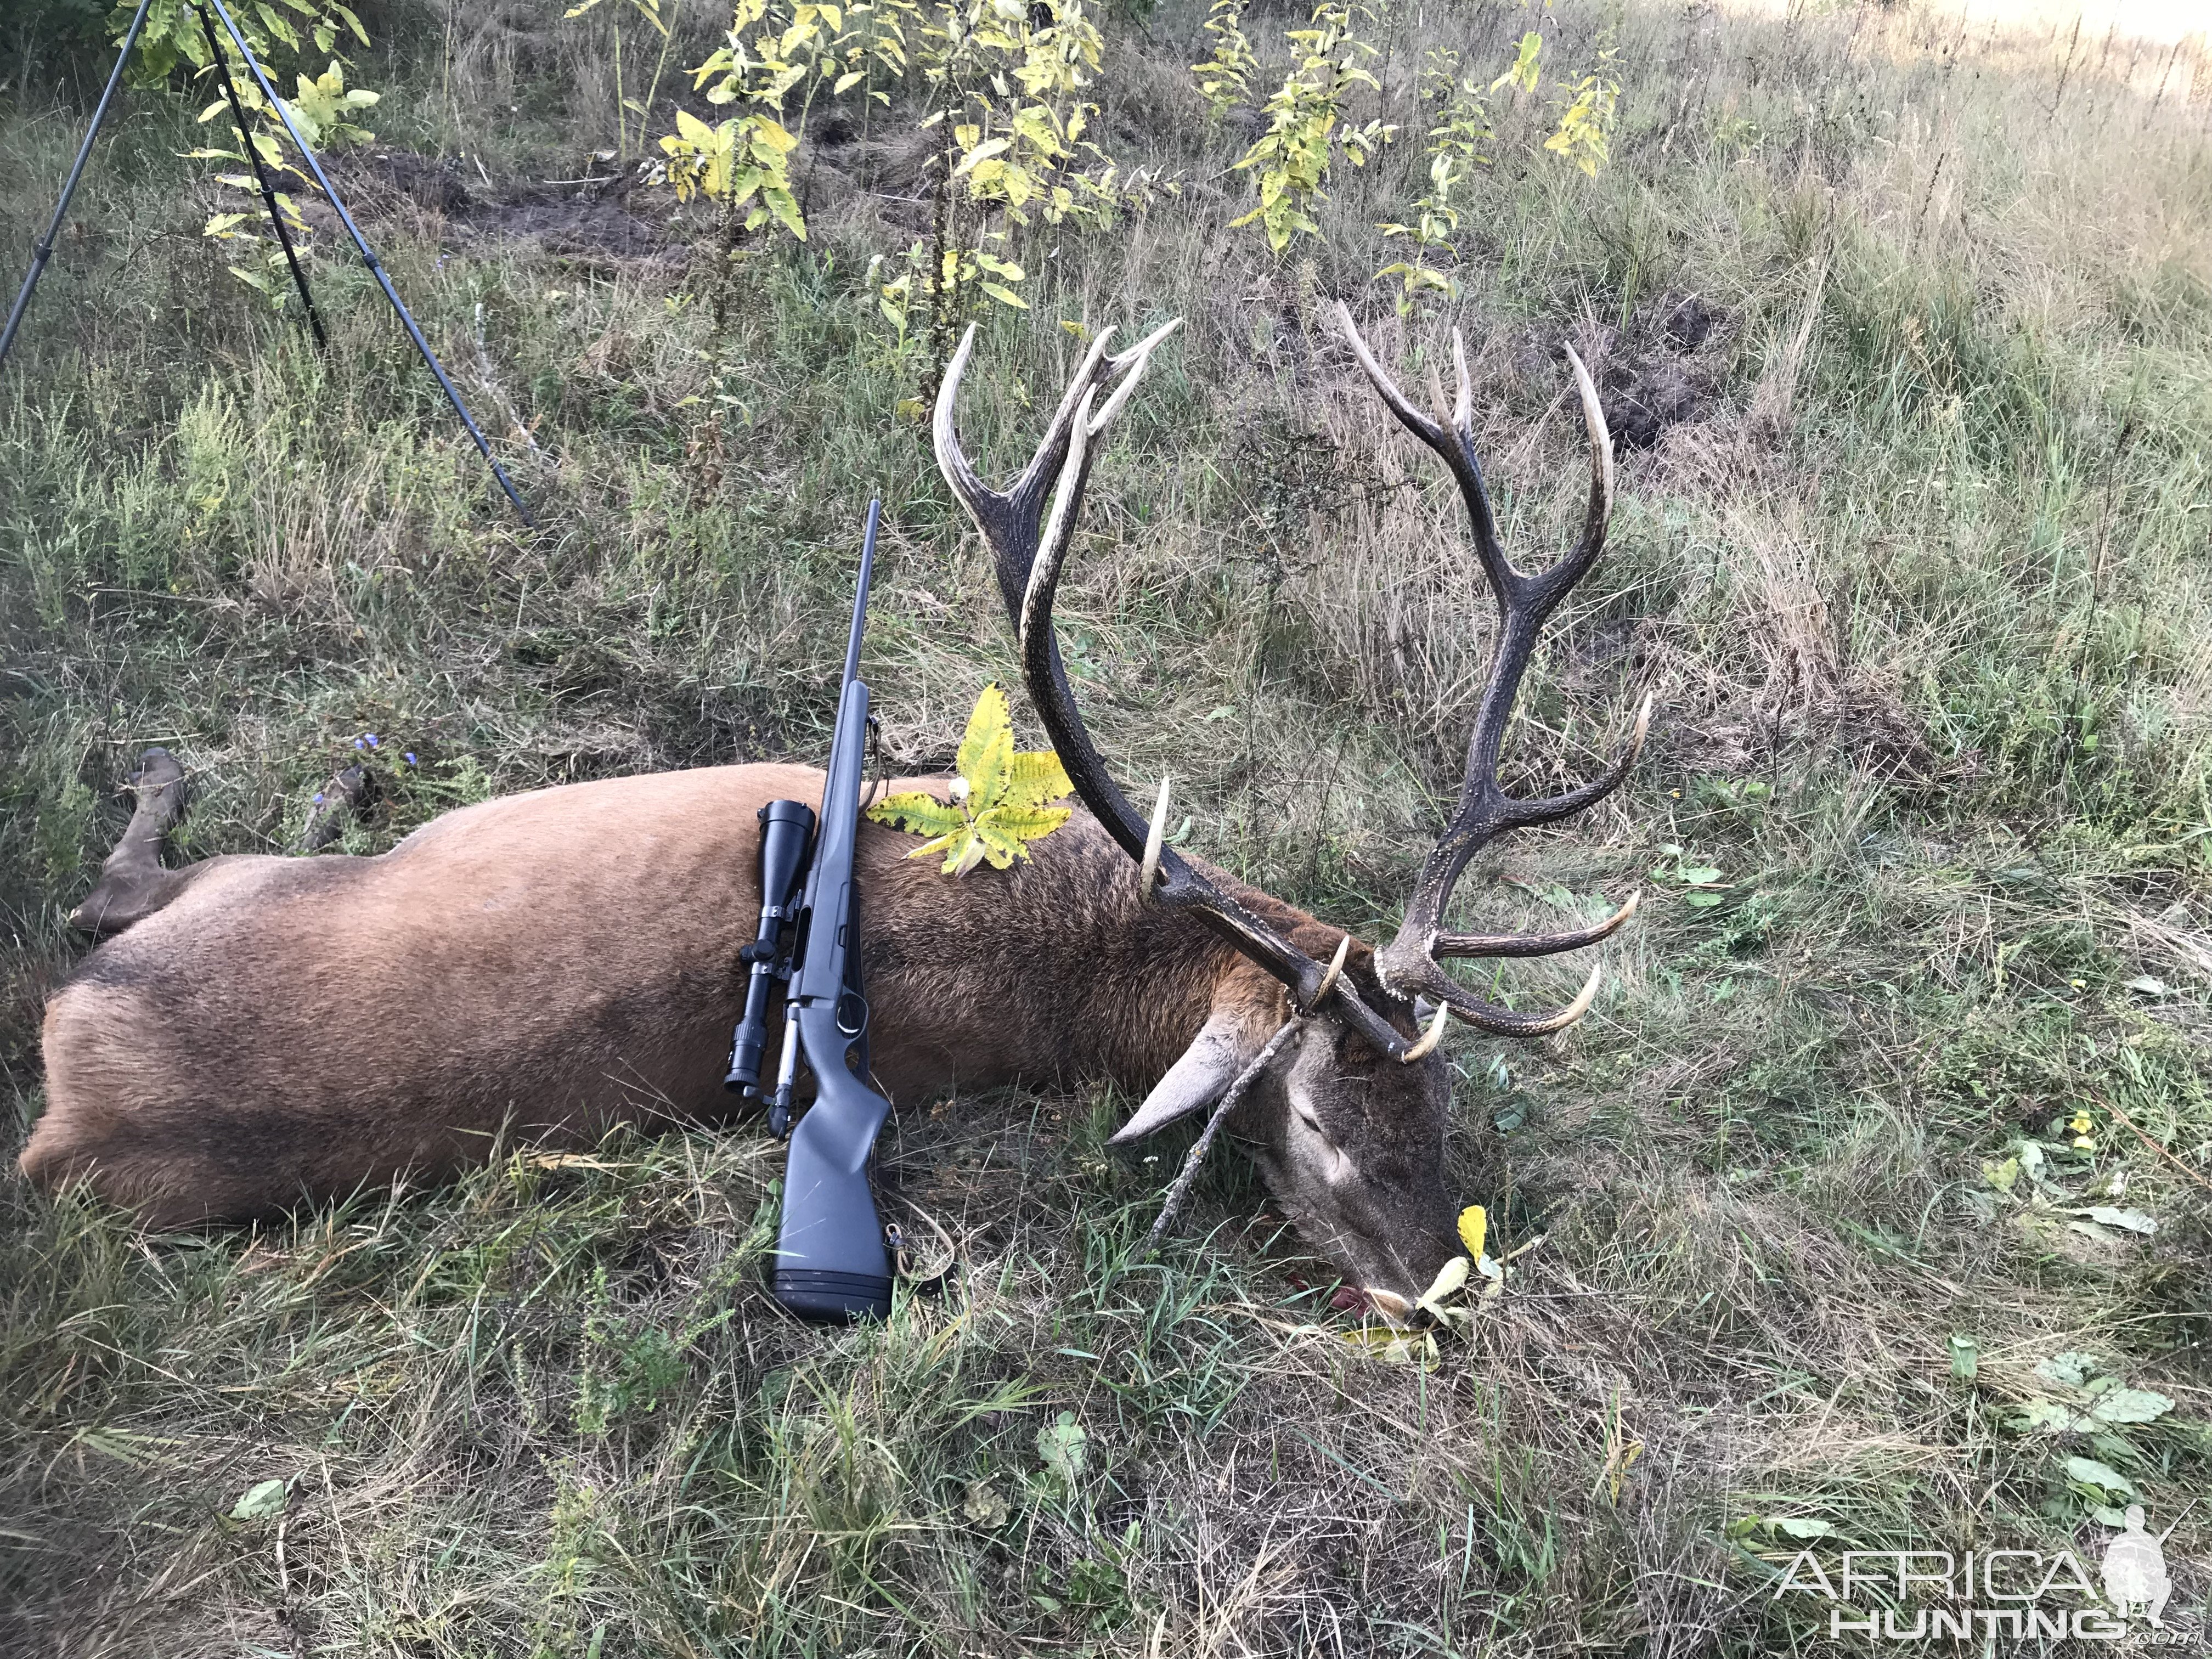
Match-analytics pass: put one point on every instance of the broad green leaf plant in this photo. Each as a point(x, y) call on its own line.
point(1008, 88)
point(1005, 88)
point(1458, 146)
point(1588, 113)
point(775, 55)
point(1306, 129)
point(1000, 801)
point(285, 35)
point(1225, 80)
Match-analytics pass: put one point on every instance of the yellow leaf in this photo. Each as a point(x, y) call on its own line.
point(980, 154)
point(997, 800)
point(956, 841)
point(987, 752)
point(1006, 831)
point(1473, 1229)
point(1037, 779)
point(1394, 1347)
point(1450, 1279)
point(920, 814)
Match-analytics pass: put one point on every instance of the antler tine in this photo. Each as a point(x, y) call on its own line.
point(1008, 520)
point(1552, 808)
point(1456, 445)
point(1569, 570)
point(1131, 364)
point(1506, 1022)
point(1533, 944)
point(951, 459)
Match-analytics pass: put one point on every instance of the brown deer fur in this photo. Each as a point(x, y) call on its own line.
point(282, 1029)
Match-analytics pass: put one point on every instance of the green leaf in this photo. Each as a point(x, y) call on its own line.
point(1061, 1444)
point(1794, 1527)
point(2090, 1472)
point(261, 1500)
point(785, 206)
point(2069, 1369)
point(2130, 1405)
point(1965, 1356)
point(2134, 1221)
point(2048, 1417)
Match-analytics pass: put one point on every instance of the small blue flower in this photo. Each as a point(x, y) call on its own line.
point(371, 740)
point(358, 743)
point(319, 798)
point(410, 757)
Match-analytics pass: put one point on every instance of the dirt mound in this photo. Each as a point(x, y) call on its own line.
point(1662, 370)
point(597, 213)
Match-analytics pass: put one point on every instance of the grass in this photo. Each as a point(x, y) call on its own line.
point(1922, 587)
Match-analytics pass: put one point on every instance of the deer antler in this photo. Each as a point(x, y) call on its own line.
point(1028, 560)
point(1408, 965)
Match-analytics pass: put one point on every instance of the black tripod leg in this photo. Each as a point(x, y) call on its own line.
point(44, 250)
point(261, 177)
point(429, 357)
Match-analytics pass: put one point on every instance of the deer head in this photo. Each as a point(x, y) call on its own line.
point(1345, 1116)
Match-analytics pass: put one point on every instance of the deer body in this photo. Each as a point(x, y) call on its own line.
point(285, 1028)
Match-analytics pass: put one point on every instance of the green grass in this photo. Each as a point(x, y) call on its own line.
point(1925, 593)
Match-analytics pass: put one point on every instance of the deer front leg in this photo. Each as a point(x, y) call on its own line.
point(133, 884)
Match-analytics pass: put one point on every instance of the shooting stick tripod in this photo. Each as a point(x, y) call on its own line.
point(44, 248)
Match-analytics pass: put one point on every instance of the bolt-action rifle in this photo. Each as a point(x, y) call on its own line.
point(831, 1263)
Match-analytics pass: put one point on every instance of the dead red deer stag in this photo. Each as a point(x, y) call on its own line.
point(261, 1031)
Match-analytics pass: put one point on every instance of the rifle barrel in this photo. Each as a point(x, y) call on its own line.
point(860, 600)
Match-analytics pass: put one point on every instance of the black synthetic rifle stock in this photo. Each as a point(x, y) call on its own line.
point(830, 1262)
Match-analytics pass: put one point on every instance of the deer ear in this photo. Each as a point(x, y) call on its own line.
point(1224, 1046)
